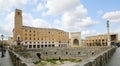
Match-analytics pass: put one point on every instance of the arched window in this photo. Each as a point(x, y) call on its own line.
point(75, 42)
point(18, 37)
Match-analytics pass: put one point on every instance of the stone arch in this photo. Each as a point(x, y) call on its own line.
point(18, 40)
point(75, 42)
point(18, 37)
point(38, 55)
point(59, 58)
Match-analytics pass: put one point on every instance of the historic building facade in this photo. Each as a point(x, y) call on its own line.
point(75, 40)
point(33, 37)
point(101, 40)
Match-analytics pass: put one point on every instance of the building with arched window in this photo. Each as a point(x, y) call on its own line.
point(75, 39)
point(34, 37)
point(101, 40)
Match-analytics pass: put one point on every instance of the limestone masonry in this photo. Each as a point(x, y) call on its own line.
point(34, 38)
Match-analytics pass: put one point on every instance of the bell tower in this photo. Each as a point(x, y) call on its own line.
point(17, 31)
point(18, 19)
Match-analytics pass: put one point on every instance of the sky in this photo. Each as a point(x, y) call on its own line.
point(86, 16)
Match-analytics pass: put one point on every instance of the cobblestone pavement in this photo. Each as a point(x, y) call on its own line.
point(115, 59)
point(5, 61)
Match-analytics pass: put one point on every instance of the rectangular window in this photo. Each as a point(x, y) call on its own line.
point(25, 30)
point(25, 42)
point(45, 45)
point(30, 46)
point(49, 45)
point(25, 38)
point(38, 46)
point(53, 45)
point(34, 34)
point(30, 31)
point(42, 46)
point(25, 34)
point(29, 34)
point(34, 31)
point(30, 38)
point(34, 46)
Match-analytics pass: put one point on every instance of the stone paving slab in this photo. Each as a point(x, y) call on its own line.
point(5, 61)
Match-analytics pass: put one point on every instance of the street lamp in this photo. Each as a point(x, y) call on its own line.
point(2, 36)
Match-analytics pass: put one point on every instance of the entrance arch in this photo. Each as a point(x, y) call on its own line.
point(75, 42)
point(38, 55)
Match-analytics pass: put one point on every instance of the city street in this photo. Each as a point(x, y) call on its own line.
point(5, 61)
point(115, 59)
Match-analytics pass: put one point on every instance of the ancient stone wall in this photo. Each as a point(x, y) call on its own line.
point(67, 53)
point(90, 56)
point(19, 60)
point(100, 59)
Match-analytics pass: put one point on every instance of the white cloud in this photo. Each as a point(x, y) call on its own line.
point(88, 32)
point(57, 24)
point(77, 19)
point(85, 33)
point(112, 16)
point(7, 25)
point(39, 7)
point(7, 5)
point(28, 20)
point(100, 12)
point(59, 6)
point(73, 14)
point(32, 2)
